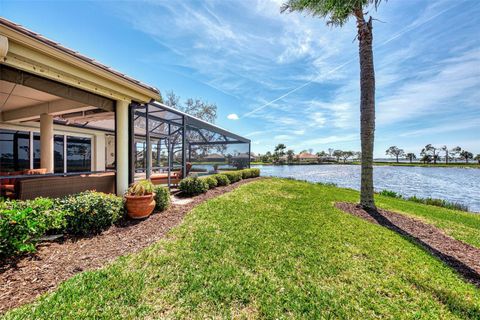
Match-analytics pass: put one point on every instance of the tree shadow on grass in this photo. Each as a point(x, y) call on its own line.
point(384, 218)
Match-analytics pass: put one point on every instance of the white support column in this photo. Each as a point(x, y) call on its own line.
point(100, 157)
point(121, 117)
point(46, 142)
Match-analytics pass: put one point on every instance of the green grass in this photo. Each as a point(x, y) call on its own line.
point(463, 226)
point(272, 249)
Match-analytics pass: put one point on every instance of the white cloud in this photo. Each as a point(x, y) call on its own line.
point(421, 96)
point(233, 116)
point(332, 139)
point(282, 137)
point(318, 119)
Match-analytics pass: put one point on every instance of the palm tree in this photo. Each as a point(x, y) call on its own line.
point(338, 13)
point(290, 155)
point(279, 152)
point(411, 156)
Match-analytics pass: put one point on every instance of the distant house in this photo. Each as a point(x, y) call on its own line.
point(307, 157)
point(215, 157)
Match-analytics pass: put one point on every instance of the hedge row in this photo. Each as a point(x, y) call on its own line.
point(194, 185)
point(22, 223)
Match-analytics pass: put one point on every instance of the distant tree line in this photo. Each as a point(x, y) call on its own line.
point(282, 155)
point(429, 154)
point(433, 154)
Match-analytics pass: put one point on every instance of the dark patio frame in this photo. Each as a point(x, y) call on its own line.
point(174, 123)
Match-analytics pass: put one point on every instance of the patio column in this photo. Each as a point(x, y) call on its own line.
point(46, 142)
point(121, 127)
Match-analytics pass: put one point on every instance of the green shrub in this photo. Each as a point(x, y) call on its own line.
point(162, 198)
point(250, 173)
point(23, 222)
point(326, 184)
point(91, 212)
point(391, 194)
point(440, 203)
point(193, 186)
point(211, 181)
point(222, 180)
point(233, 176)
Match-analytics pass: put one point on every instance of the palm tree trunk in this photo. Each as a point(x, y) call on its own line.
point(367, 108)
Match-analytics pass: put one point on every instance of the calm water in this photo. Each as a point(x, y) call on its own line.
point(453, 184)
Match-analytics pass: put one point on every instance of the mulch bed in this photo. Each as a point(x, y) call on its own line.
point(23, 280)
point(462, 257)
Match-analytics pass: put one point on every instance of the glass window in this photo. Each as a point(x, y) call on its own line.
point(36, 150)
point(140, 150)
point(14, 150)
point(79, 154)
point(58, 153)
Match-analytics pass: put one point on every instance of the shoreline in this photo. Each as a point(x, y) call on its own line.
point(392, 164)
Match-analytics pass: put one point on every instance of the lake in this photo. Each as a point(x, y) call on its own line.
point(452, 184)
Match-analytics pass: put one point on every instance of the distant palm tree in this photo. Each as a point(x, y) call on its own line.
point(338, 13)
point(290, 155)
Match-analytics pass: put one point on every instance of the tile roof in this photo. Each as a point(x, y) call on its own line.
point(71, 52)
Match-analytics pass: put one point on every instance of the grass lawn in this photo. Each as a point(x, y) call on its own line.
point(275, 249)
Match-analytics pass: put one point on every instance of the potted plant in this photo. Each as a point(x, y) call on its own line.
point(140, 199)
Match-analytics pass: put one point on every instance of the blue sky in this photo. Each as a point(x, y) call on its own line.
point(288, 78)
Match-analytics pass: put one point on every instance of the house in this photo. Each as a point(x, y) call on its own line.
point(69, 123)
point(214, 157)
point(307, 157)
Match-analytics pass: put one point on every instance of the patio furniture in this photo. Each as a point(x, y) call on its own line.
point(59, 186)
point(175, 176)
point(7, 185)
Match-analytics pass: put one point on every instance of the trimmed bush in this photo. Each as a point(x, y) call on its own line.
point(193, 186)
point(23, 222)
point(91, 212)
point(162, 198)
point(222, 180)
point(233, 176)
point(211, 181)
point(250, 173)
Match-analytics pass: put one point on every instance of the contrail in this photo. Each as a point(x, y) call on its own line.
point(399, 34)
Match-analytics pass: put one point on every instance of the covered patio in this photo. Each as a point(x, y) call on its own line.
point(69, 124)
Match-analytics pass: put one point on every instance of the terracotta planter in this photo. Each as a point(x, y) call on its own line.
point(139, 207)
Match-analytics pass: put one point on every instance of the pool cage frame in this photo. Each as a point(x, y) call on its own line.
point(174, 125)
